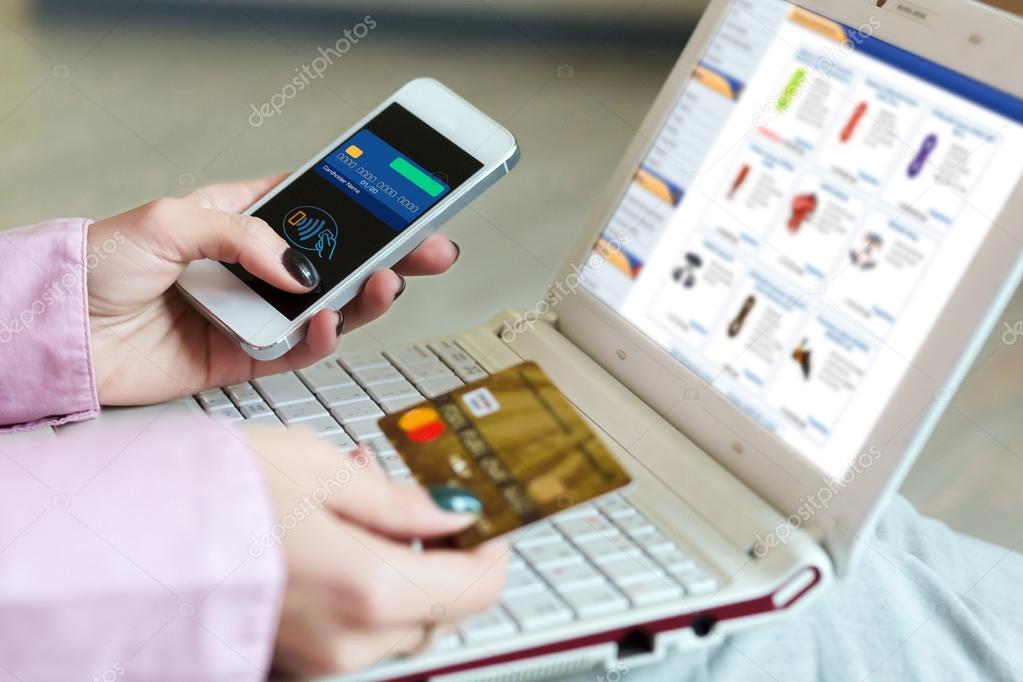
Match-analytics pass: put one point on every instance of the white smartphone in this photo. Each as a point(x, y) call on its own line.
point(360, 205)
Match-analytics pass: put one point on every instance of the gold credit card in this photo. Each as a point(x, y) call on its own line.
point(514, 441)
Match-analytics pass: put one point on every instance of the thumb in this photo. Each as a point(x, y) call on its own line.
point(184, 232)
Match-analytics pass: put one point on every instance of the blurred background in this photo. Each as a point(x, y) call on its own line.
point(106, 105)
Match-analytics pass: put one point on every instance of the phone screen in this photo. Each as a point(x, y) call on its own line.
point(358, 198)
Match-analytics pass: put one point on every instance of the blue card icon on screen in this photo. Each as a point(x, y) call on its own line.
point(311, 229)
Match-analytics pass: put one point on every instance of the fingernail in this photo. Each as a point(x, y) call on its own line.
point(458, 251)
point(300, 268)
point(452, 499)
point(340, 329)
point(401, 289)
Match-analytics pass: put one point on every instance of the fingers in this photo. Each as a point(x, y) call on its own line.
point(376, 297)
point(435, 255)
point(181, 231)
point(234, 197)
point(398, 585)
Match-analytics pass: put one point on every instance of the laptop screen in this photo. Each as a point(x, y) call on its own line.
point(803, 216)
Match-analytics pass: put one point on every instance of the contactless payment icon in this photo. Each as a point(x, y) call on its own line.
point(311, 229)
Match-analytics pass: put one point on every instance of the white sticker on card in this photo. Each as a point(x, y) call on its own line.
point(480, 402)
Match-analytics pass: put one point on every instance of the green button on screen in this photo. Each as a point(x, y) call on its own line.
point(417, 177)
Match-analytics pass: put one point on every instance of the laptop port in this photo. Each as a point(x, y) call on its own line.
point(635, 643)
point(703, 624)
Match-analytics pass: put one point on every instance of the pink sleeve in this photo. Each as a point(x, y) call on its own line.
point(45, 359)
point(136, 549)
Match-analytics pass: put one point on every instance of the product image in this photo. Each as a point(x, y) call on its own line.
point(685, 274)
point(853, 122)
point(802, 356)
point(736, 326)
point(866, 257)
point(926, 147)
point(803, 206)
point(740, 178)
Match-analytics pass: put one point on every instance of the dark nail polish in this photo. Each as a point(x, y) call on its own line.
point(300, 267)
point(401, 289)
point(458, 251)
point(452, 499)
point(340, 329)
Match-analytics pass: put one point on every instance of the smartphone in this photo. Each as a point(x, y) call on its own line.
point(360, 205)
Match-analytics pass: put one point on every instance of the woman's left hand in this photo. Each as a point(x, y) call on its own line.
point(150, 345)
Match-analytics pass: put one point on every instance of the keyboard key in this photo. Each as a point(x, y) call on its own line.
point(391, 390)
point(629, 570)
point(398, 404)
point(550, 554)
point(697, 583)
point(488, 626)
point(379, 445)
point(363, 429)
point(609, 548)
point(341, 440)
point(470, 373)
point(616, 506)
point(452, 354)
point(325, 374)
point(350, 412)
point(339, 395)
point(322, 426)
point(266, 420)
point(522, 580)
point(227, 412)
point(435, 387)
point(672, 559)
point(653, 541)
point(596, 600)
point(539, 533)
point(428, 371)
point(363, 360)
point(377, 375)
point(540, 610)
point(587, 526)
point(282, 389)
point(213, 398)
point(634, 524)
point(300, 412)
point(243, 394)
point(651, 591)
point(574, 576)
point(407, 356)
point(256, 409)
point(447, 642)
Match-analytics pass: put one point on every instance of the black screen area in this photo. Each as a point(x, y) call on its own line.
point(358, 198)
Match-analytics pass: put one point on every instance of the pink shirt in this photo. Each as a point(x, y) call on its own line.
point(126, 548)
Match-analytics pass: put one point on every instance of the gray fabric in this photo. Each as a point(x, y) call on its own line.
point(923, 603)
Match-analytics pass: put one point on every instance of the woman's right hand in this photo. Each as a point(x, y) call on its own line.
point(357, 593)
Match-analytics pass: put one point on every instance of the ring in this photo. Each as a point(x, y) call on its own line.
point(429, 633)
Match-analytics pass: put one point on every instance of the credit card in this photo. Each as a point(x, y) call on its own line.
point(514, 441)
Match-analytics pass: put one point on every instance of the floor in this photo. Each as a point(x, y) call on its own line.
point(101, 110)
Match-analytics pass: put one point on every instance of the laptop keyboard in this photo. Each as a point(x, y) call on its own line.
point(594, 560)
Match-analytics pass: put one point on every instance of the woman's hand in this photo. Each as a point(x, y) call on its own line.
point(357, 593)
point(149, 344)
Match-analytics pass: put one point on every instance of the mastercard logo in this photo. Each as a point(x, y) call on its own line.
point(421, 425)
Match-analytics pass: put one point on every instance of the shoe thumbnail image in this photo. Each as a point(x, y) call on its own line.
point(853, 122)
point(802, 357)
point(736, 326)
point(740, 178)
point(926, 148)
point(803, 206)
point(865, 258)
point(685, 274)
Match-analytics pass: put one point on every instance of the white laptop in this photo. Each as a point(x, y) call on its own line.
point(812, 234)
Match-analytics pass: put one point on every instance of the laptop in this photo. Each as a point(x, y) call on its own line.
point(811, 235)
